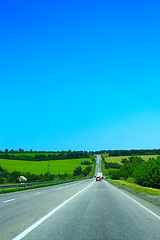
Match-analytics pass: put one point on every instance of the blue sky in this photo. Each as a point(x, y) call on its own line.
point(79, 75)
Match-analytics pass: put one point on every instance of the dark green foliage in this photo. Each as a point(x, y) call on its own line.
point(44, 157)
point(114, 174)
point(134, 160)
point(124, 160)
point(148, 174)
point(87, 170)
point(1, 180)
point(132, 152)
point(112, 165)
point(77, 171)
point(85, 163)
point(102, 158)
point(5, 176)
point(129, 166)
point(144, 173)
point(13, 177)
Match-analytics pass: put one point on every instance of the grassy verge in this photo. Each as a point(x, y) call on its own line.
point(103, 168)
point(93, 169)
point(150, 194)
point(15, 189)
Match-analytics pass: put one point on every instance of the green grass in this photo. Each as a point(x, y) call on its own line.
point(38, 167)
point(136, 188)
point(93, 169)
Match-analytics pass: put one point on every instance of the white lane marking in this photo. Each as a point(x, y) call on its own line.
point(139, 204)
point(37, 192)
point(36, 224)
point(9, 200)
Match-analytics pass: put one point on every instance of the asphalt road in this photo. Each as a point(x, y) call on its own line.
point(80, 210)
point(98, 165)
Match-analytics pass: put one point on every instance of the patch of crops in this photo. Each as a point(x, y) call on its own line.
point(119, 158)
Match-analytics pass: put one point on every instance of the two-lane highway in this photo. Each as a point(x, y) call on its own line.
point(98, 165)
point(80, 210)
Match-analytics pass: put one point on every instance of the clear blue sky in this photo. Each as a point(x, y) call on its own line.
point(79, 75)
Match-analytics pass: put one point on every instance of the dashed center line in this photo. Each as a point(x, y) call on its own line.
point(36, 224)
point(9, 200)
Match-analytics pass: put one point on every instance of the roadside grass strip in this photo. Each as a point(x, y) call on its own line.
point(35, 186)
point(149, 194)
point(36, 224)
point(135, 187)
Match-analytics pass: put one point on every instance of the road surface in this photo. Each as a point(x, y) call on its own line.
point(81, 210)
point(98, 165)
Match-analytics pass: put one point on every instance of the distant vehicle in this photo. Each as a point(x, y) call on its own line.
point(100, 175)
point(22, 179)
point(98, 178)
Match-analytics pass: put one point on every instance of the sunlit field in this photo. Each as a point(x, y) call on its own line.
point(119, 158)
point(38, 167)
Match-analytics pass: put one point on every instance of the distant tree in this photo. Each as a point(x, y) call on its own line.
point(114, 174)
point(77, 171)
point(85, 163)
point(85, 172)
point(1, 180)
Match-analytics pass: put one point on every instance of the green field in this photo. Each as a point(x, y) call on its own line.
point(38, 167)
point(119, 158)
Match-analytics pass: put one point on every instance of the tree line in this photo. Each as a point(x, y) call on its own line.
point(6, 177)
point(45, 157)
point(132, 152)
point(144, 173)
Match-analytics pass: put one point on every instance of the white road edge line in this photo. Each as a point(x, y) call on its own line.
point(9, 200)
point(154, 214)
point(36, 224)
